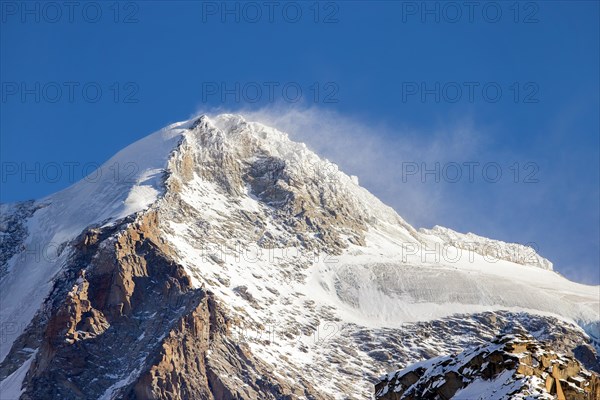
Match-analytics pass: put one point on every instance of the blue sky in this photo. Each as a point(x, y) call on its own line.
point(501, 87)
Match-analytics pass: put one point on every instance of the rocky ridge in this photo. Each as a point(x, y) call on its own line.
point(509, 367)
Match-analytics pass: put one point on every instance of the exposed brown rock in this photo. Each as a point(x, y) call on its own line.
point(125, 312)
point(560, 376)
point(198, 360)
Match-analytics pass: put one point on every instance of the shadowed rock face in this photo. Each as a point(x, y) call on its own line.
point(125, 321)
point(13, 230)
point(510, 367)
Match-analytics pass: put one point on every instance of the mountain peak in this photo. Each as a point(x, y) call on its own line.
point(245, 227)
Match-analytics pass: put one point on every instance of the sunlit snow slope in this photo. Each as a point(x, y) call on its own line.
point(127, 183)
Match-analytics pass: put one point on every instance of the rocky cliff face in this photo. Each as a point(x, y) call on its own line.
point(123, 308)
point(510, 367)
point(236, 264)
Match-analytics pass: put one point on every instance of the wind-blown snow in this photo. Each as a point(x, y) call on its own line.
point(403, 275)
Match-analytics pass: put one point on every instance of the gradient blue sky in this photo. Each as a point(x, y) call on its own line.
point(364, 58)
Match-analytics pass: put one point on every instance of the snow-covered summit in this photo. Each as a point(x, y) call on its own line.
point(244, 160)
point(383, 271)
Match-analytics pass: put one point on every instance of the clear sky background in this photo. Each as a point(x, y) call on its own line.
point(386, 87)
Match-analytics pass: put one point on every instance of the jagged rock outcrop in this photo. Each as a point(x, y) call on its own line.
point(125, 321)
point(510, 367)
point(236, 160)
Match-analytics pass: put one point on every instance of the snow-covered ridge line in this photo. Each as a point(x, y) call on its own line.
point(278, 143)
point(491, 248)
point(129, 182)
